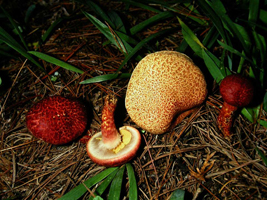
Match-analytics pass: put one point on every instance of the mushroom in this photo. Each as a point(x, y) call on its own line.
point(164, 88)
point(57, 120)
point(112, 147)
point(237, 91)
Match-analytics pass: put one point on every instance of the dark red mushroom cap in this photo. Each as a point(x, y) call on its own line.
point(237, 90)
point(57, 120)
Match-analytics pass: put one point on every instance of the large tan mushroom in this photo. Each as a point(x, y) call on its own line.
point(165, 87)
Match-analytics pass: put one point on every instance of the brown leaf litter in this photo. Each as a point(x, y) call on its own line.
point(193, 157)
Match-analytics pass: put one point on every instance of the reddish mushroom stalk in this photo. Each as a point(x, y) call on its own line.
point(237, 92)
point(225, 119)
point(112, 147)
point(110, 135)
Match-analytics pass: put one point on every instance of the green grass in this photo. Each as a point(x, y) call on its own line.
point(112, 179)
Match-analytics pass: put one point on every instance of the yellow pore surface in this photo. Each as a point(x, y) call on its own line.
point(126, 137)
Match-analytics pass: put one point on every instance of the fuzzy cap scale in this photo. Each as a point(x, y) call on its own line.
point(57, 120)
point(237, 90)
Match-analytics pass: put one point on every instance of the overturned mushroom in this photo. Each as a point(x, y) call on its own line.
point(112, 147)
point(164, 88)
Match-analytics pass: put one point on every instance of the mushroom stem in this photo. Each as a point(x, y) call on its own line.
point(226, 118)
point(110, 135)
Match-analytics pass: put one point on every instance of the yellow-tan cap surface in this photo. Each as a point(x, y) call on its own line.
point(163, 85)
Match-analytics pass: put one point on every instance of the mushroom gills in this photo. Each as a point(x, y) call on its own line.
point(126, 137)
point(97, 146)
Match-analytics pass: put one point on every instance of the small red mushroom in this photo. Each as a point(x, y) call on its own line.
point(57, 120)
point(112, 147)
point(237, 91)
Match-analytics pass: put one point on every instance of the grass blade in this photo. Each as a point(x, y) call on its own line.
point(126, 38)
point(220, 10)
point(15, 26)
point(78, 191)
point(146, 23)
point(191, 39)
point(141, 5)
point(210, 38)
point(100, 189)
point(253, 11)
point(123, 46)
point(100, 12)
point(265, 102)
point(245, 34)
point(4, 53)
point(232, 50)
point(215, 19)
point(263, 16)
point(133, 194)
point(178, 195)
point(106, 77)
point(55, 61)
point(261, 154)
point(5, 37)
point(115, 187)
point(50, 29)
point(9, 40)
point(261, 47)
point(101, 78)
point(263, 123)
point(141, 44)
point(29, 12)
point(127, 58)
point(250, 113)
point(213, 63)
point(117, 21)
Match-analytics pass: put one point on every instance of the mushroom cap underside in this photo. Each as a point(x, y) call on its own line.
point(163, 85)
point(106, 157)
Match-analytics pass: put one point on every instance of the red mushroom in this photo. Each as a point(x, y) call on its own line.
point(237, 91)
point(57, 120)
point(112, 147)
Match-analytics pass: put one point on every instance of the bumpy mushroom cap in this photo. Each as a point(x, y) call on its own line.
point(163, 86)
point(237, 91)
point(57, 120)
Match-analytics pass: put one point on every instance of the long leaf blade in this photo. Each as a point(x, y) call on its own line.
point(104, 185)
point(19, 49)
point(212, 64)
point(191, 39)
point(263, 157)
point(127, 58)
point(161, 16)
point(78, 191)
point(15, 26)
point(133, 194)
point(124, 46)
point(115, 187)
point(55, 61)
